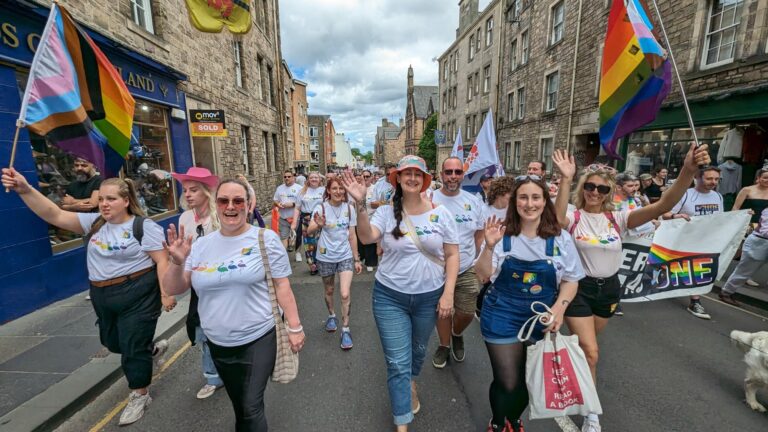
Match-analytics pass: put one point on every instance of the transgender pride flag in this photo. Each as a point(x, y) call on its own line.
point(635, 76)
point(76, 98)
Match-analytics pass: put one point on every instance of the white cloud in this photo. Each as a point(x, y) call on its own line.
point(354, 54)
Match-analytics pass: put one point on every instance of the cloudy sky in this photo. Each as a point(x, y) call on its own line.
point(354, 54)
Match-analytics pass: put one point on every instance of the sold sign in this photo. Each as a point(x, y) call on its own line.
point(207, 123)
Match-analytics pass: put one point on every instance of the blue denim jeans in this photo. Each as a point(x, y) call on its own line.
point(209, 369)
point(405, 323)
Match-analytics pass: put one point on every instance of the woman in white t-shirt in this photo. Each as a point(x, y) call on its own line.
point(529, 258)
point(125, 258)
point(335, 218)
point(199, 219)
point(415, 278)
point(310, 196)
point(227, 270)
point(597, 229)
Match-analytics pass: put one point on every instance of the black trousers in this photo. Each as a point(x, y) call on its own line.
point(245, 371)
point(127, 317)
point(367, 253)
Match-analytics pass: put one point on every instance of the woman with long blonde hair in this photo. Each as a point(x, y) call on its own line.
point(199, 219)
point(126, 261)
point(596, 228)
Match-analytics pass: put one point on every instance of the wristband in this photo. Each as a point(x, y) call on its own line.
point(300, 329)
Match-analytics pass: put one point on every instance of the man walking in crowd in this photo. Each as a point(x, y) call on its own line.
point(701, 200)
point(285, 200)
point(537, 168)
point(467, 211)
point(82, 193)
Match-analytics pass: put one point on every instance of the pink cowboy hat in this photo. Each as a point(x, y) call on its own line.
point(198, 174)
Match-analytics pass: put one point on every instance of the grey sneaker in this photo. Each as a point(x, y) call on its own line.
point(135, 408)
point(697, 310)
point(441, 356)
point(207, 391)
point(590, 426)
point(457, 348)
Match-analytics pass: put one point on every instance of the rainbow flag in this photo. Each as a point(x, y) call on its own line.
point(661, 255)
point(76, 98)
point(635, 75)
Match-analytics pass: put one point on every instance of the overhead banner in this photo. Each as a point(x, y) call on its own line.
point(207, 123)
point(682, 258)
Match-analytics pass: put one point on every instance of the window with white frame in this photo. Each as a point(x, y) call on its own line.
point(517, 146)
point(477, 82)
point(487, 79)
point(524, 47)
point(469, 88)
point(723, 23)
point(515, 8)
point(557, 22)
point(510, 107)
point(245, 150)
point(141, 14)
point(552, 86)
point(468, 127)
point(313, 131)
point(238, 53)
point(507, 154)
point(478, 39)
point(471, 47)
point(547, 149)
point(445, 102)
point(513, 55)
point(445, 70)
point(456, 61)
point(520, 103)
point(489, 32)
point(450, 62)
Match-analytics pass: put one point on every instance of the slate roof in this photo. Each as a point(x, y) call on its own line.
point(422, 97)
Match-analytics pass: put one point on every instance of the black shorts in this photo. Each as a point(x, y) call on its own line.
point(596, 296)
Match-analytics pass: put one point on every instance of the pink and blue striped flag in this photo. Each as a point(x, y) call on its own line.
point(635, 75)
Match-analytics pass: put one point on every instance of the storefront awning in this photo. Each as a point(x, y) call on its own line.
point(722, 107)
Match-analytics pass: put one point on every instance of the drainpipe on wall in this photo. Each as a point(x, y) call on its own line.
point(573, 78)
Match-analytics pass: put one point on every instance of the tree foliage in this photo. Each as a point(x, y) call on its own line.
point(427, 149)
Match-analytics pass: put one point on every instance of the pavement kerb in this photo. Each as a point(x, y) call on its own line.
point(51, 407)
point(742, 297)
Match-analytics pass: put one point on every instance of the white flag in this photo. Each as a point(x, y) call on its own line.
point(483, 158)
point(458, 147)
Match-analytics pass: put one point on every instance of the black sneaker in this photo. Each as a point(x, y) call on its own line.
point(697, 310)
point(440, 359)
point(619, 311)
point(457, 348)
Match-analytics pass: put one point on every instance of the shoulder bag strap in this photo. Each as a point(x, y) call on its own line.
point(550, 248)
point(612, 220)
point(507, 243)
point(138, 228)
point(415, 239)
point(268, 271)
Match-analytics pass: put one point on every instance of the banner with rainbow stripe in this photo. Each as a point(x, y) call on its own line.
point(75, 97)
point(681, 258)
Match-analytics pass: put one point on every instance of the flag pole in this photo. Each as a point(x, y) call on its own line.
point(677, 74)
point(19, 125)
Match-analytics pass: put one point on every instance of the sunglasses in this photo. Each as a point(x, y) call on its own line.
point(287, 177)
point(200, 230)
point(600, 167)
point(366, 176)
point(453, 172)
point(238, 202)
point(532, 177)
point(602, 189)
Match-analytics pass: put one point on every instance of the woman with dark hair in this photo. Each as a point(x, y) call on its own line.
point(597, 228)
point(499, 194)
point(126, 261)
point(658, 184)
point(536, 261)
point(227, 269)
point(415, 278)
point(336, 253)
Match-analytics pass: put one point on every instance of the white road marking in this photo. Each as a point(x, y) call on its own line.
point(566, 424)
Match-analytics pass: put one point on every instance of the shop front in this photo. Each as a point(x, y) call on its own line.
point(40, 264)
point(733, 124)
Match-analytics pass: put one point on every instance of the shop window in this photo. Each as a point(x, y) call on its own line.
point(723, 22)
point(667, 148)
point(141, 14)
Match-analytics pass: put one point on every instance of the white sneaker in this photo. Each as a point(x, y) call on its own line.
point(369, 268)
point(159, 349)
point(298, 256)
point(88, 297)
point(752, 283)
point(207, 391)
point(590, 426)
point(135, 408)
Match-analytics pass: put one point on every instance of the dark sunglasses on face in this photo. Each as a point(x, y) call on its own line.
point(602, 189)
point(238, 202)
point(287, 177)
point(366, 176)
point(453, 172)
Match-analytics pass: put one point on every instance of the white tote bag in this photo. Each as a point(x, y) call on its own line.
point(557, 375)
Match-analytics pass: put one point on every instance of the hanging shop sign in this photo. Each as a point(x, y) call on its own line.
point(207, 123)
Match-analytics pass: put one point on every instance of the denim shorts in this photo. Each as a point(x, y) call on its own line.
point(329, 269)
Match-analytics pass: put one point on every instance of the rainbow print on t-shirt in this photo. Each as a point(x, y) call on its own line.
point(434, 218)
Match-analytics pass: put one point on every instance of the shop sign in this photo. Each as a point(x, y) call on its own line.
point(207, 123)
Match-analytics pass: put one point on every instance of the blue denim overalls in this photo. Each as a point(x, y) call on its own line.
point(507, 303)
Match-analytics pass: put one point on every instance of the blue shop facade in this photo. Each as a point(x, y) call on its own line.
point(41, 264)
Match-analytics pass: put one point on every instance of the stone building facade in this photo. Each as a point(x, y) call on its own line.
point(389, 146)
point(421, 103)
point(469, 74)
point(721, 47)
point(299, 106)
point(322, 135)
